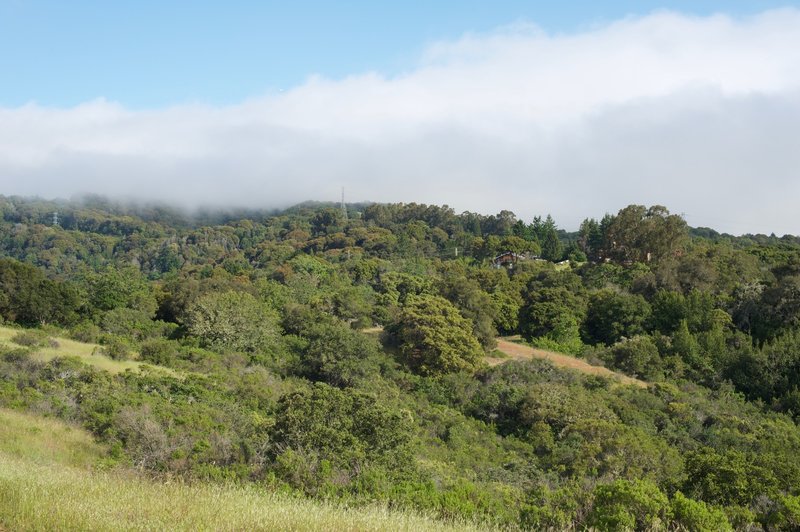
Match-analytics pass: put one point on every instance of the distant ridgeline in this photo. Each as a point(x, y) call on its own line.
point(341, 355)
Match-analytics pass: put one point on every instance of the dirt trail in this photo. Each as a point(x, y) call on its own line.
point(517, 351)
point(523, 352)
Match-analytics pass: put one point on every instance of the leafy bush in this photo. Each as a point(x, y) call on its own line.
point(160, 352)
point(637, 356)
point(629, 505)
point(115, 348)
point(31, 338)
point(343, 432)
point(726, 478)
point(697, 515)
point(86, 332)
point(234, 321)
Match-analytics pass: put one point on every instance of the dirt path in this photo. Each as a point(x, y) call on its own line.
point(523, 352)
point(517, 351)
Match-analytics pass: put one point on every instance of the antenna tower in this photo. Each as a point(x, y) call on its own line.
point(344, 207)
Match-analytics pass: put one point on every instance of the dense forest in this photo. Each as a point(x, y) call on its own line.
point(341, 354)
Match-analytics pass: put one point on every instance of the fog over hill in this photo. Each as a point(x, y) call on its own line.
point(697, 113)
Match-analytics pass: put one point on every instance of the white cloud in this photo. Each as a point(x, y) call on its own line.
point(699, 114)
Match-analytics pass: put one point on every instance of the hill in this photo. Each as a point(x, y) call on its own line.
point(54, 477)
point(225, 356)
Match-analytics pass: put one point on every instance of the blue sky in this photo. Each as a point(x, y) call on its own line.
point(148, 53)
point(574, 109)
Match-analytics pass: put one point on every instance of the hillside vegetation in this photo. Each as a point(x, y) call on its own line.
point(46, 347)
point(343, 359)
point(54, 477)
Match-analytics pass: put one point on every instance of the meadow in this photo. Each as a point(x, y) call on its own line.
point(55, 477)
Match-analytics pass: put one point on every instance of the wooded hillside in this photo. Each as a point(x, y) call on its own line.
point(264, 364)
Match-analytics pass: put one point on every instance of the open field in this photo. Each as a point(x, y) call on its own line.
point(43, 441)
point(87, 353)
point(48, 482)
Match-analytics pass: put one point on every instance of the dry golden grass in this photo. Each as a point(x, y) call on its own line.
point(523, 352)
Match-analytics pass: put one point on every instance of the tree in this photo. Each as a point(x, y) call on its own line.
point(547, 235)
point(590, 239)
point(612, 316)
point(697, 515)
point(434, 338)
point(726, 478)
point(113, 288)
point(327, 221)
point(475, 304)
point(551, 300)
point(636, 356)
point(29, 298)
point(234, 321)
point(338, 354)
point(346, 430)
point(669, 309)
point(641, 234)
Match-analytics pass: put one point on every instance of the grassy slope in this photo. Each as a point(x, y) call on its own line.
point(43, 441)
point(47, 483)
point(67, 347)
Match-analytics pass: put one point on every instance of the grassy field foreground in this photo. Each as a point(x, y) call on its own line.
point(51, 479)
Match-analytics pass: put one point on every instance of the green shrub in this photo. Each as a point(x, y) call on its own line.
point(343, 431)
point(15, 355)
point(785, 515)
point(547, 509)
point(30, 338)
point(115, 348)
point(629, 505)
point(160, 352)
point(697, 515)
point(86, 332)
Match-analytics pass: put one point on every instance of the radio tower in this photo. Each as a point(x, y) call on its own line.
point(344, 207)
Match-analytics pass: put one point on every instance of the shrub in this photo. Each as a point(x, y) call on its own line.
point(342, 431)
point(115, 348)
point(30, 338)
point(160, 352)
point(697, 515)
point(547, 509)
point(628, 505)
point(85, 331)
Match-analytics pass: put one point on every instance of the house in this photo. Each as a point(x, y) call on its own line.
point(507, 259)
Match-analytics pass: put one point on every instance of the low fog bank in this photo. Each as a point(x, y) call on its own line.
point(700, 114)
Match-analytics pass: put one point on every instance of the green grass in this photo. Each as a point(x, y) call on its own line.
point(496, 353)
point(47, 482)
point(87, 353)
point(45, 441)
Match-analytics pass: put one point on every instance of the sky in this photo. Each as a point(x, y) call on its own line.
point(573, 109)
